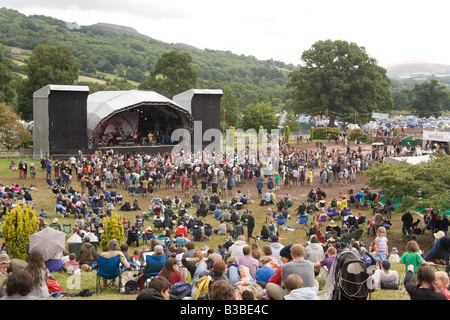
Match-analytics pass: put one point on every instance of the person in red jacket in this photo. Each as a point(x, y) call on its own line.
point(181, 229)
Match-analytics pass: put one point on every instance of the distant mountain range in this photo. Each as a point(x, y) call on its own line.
point(417, 69)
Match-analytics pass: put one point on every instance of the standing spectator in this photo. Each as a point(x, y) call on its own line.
point(413, 257)
point(407, 220)
point(250, 225)
point(381, 241)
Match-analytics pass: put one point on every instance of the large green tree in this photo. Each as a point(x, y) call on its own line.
point(47, 65)
point(229, 107)
point(414, 186)
point(261, 114)
point(173, 74)
point(339, 79)
point(7, 92)
point(429, 98)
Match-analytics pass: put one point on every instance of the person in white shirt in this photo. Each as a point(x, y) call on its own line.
point(385, 278)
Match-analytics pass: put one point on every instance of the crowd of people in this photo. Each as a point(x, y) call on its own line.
point(88, 188)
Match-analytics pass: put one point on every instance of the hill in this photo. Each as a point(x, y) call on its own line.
point(107, 51)
point(417, 69)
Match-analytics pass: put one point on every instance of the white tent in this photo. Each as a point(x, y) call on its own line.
point(411, 160)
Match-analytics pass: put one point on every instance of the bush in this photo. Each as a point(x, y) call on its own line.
point(112, 229)
point(321, 133)
point(20, 224)
point(358, 134)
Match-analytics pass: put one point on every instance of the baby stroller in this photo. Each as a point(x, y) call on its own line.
point(348, 278)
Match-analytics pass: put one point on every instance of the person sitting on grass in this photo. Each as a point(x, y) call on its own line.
point(296, 291)
point(158, 289)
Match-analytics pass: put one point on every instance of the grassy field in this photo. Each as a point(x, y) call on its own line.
point(45, 200)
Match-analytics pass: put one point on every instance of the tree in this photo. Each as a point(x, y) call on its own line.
point(424, 185)
point(259, 115)
point(429, 98)
point(47, 65)
point(7, 93)
point(13, 133)
point(173, 74)
point(339, 78)
point(20, 223)
point(229, 108)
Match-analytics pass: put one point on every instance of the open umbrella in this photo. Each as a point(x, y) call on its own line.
point(49, 241)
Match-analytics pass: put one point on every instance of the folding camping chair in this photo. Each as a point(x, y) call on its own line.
point(303, 220)
point(67, 228)
point(208, 231)
point(154, 266)
point(322, 219)
point(108, 270)
point(310, 219)
point(281, 220)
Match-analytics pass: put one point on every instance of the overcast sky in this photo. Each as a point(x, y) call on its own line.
point(391, 31)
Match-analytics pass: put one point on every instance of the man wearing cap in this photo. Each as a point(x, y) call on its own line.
point(385, 278)
point(274, 286)
point(440, 249)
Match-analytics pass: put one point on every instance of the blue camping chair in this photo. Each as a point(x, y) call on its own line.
point(303, 220)
point(281, 220)
point(154, 266)
point(108, 270)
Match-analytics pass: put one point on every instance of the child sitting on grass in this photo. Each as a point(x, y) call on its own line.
point(294, 285)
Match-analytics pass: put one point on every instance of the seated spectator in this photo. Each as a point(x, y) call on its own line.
point(264, 273)
point(296, 290)
point(158, 289)
point(87, 253)
point(19, 287)
point(248, 261)
point(171, 272)
point(222, 290)
point(385, 278)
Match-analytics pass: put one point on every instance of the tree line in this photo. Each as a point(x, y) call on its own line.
point(336, 78)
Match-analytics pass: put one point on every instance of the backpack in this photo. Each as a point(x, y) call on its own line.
point(200, 290)
point(131, 287)
point(180, 287)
